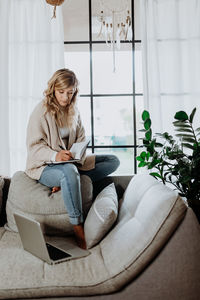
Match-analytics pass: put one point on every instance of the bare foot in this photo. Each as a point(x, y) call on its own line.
point(55, 189)
point(80, 236)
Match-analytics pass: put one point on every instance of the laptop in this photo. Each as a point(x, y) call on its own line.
point(54, 251)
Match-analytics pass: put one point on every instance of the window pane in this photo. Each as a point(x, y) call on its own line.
point(126, 157)
point(77, 59)
point(113, 121)
point(137, 19)
point(138, 69)
point(104, 79)
point(76, 20)
point(85, 112)
point(120, 7)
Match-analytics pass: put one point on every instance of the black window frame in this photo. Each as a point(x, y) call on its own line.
point(91, 95)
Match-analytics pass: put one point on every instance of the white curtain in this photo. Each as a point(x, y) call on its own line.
point(4, 101)
point(171, 59)
point(31, 51)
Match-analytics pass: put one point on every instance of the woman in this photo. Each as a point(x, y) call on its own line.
point(54, 126)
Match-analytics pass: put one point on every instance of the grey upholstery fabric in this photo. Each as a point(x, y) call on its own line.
point(35, 200)
point(173, 274)
point(141, 232)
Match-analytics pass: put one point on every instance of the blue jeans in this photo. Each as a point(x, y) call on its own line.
point(67, 176)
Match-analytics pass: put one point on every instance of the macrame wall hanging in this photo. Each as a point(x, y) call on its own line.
point(55, 3)
point(115, 23)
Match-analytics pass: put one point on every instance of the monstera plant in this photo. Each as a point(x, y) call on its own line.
point(174, 160)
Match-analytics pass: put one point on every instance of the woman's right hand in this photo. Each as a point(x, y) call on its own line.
point(64, 155)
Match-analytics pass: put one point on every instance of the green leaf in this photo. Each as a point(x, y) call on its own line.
point(155, 175)
point(184, 130)
point(150, 166)
point(170, 177)
point(142, 164)
point(143, 154)
point(186, 179)
point(151, 147)
point(147, 124)
point(139, 158)
point(148, 155)
point(145, 142)
point(181, 124)
point(196, 146)
point(166, 136)
point(186, 145)
point(145, 115)
point(184, 135)
point(148, 135)
point(177, 123)
point(189, 140)
point(192, 115)
point(166, 173)
point(158, 145)
point(153, 163)
point(181, 115)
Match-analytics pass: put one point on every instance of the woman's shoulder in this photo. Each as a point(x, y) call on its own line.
point(39, 110)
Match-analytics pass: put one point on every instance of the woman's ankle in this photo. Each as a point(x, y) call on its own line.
point(80, 235)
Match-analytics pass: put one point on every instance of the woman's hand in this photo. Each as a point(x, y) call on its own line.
point(64, 155)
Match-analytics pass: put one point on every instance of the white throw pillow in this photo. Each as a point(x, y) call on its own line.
point(101, 216)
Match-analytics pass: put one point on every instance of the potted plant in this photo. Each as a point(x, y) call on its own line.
point(174, 160)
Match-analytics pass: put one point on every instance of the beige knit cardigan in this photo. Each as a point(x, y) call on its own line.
point(43, 139)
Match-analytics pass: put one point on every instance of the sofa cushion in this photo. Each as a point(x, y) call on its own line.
point(146, 220)
point(28, 196)
point(101, 215)
point(1, 192)
point(145, 207)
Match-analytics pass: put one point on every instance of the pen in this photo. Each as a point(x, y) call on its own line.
point(61, 147)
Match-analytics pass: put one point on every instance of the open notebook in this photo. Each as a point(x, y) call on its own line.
point(77, 150)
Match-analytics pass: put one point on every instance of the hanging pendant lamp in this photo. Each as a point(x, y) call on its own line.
point(55, 3)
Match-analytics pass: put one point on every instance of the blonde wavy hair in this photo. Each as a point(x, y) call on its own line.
point(62, 79)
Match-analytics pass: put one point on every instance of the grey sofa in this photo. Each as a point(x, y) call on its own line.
point(172, 274)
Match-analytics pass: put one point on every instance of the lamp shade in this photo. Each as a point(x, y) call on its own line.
point(55, 2)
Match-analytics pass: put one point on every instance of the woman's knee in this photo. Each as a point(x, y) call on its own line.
point(115, 160)
point(70, 170)
point(50, 177)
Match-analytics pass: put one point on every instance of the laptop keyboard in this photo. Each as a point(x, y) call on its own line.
point(55, 253)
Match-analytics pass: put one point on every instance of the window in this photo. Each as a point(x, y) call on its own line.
point(110, 102)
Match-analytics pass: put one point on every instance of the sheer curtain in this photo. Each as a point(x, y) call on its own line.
point(4, 105)
point(32, 50)
point(171, 59)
